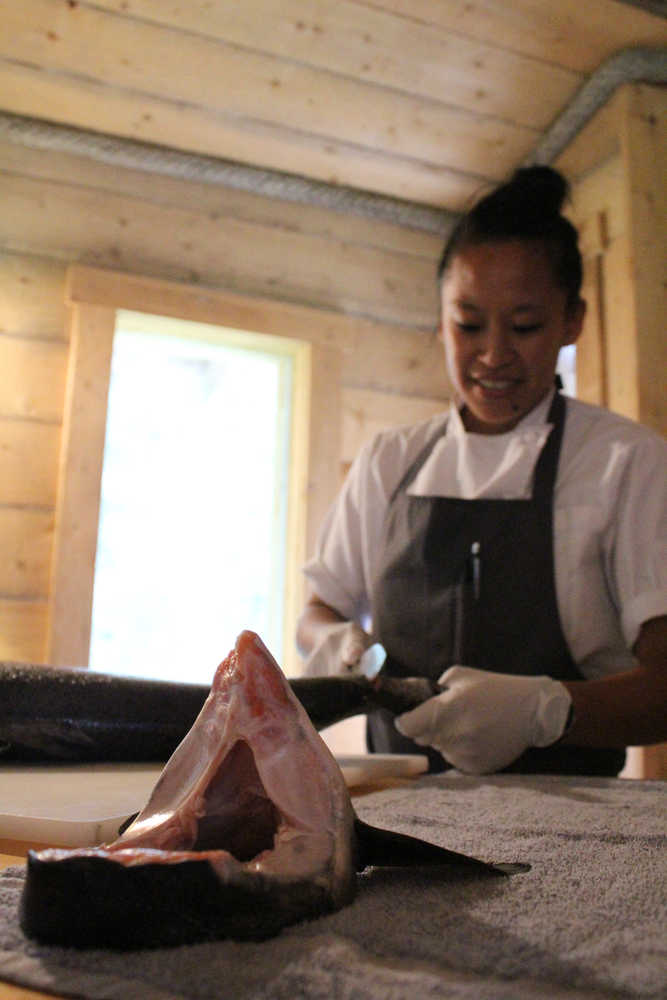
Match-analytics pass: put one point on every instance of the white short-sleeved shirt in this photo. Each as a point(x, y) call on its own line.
point(610, 517)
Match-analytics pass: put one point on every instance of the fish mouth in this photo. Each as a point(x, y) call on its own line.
point(243, 789)
point(240, 817)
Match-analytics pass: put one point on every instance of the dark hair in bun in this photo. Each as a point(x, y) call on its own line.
point(527, 207)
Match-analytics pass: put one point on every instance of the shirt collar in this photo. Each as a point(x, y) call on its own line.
point(468, 466)
point(536, 416)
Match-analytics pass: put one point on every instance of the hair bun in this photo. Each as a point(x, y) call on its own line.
point(540, 186)
point(525, 207)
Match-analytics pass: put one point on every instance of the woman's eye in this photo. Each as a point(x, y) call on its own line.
point(528, 328)
point(469, 327)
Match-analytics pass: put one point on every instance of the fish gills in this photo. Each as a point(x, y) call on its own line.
point(248, 829)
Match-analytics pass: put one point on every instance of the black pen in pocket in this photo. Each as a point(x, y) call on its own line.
point(476, 568)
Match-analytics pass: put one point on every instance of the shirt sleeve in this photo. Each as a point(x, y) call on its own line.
point(610, 519)
point(638, 553)
point(338, 571)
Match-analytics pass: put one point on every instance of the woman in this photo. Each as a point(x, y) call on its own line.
point(514, 549)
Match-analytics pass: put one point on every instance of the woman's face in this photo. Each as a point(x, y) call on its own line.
point(504, 320)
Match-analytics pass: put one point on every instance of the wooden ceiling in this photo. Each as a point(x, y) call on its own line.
point(426, 100)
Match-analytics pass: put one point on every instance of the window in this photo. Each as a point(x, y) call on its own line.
point(567, 368)
point(193, 512)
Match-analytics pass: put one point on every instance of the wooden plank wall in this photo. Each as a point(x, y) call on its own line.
point(33, 357)
point(618, 165)
point(619, 162)
point(372, 285)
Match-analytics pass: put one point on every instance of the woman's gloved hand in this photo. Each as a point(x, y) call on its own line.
point(483, 721)
point(339, 651)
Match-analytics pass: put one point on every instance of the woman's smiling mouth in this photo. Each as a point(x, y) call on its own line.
point(498, 386)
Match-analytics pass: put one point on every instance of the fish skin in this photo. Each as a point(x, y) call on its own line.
point(248, 829)
point(75, 714)
point(92, 902)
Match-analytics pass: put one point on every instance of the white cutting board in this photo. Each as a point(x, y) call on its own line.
point(82, 806)
point(368, 768)
point(71, 806)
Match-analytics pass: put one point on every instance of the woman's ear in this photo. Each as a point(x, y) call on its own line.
point(574, 322)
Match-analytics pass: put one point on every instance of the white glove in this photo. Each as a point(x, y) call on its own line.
point(339, 651)
point(483, 721)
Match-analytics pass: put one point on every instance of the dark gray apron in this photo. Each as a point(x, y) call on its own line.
point(472, 582)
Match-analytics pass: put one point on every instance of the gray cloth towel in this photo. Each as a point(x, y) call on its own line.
point(588, 919)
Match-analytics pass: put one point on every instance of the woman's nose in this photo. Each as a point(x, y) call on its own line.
point(496, 349)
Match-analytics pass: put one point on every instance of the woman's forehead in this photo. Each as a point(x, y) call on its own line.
point(514, 271)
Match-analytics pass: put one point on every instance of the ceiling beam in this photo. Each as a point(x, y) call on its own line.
point(635, 64)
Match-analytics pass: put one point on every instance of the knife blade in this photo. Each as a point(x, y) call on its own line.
point(372, 661)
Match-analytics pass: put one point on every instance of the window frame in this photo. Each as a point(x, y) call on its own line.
point(93, 297)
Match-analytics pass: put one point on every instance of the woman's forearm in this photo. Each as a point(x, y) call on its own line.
point(314, 618)
point(629, 709)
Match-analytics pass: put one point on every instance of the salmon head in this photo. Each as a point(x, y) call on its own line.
point(248, 829)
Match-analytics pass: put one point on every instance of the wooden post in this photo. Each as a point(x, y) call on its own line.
point(644, 152)
point(78, 501)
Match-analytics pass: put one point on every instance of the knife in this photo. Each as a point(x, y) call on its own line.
point(372, 661)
